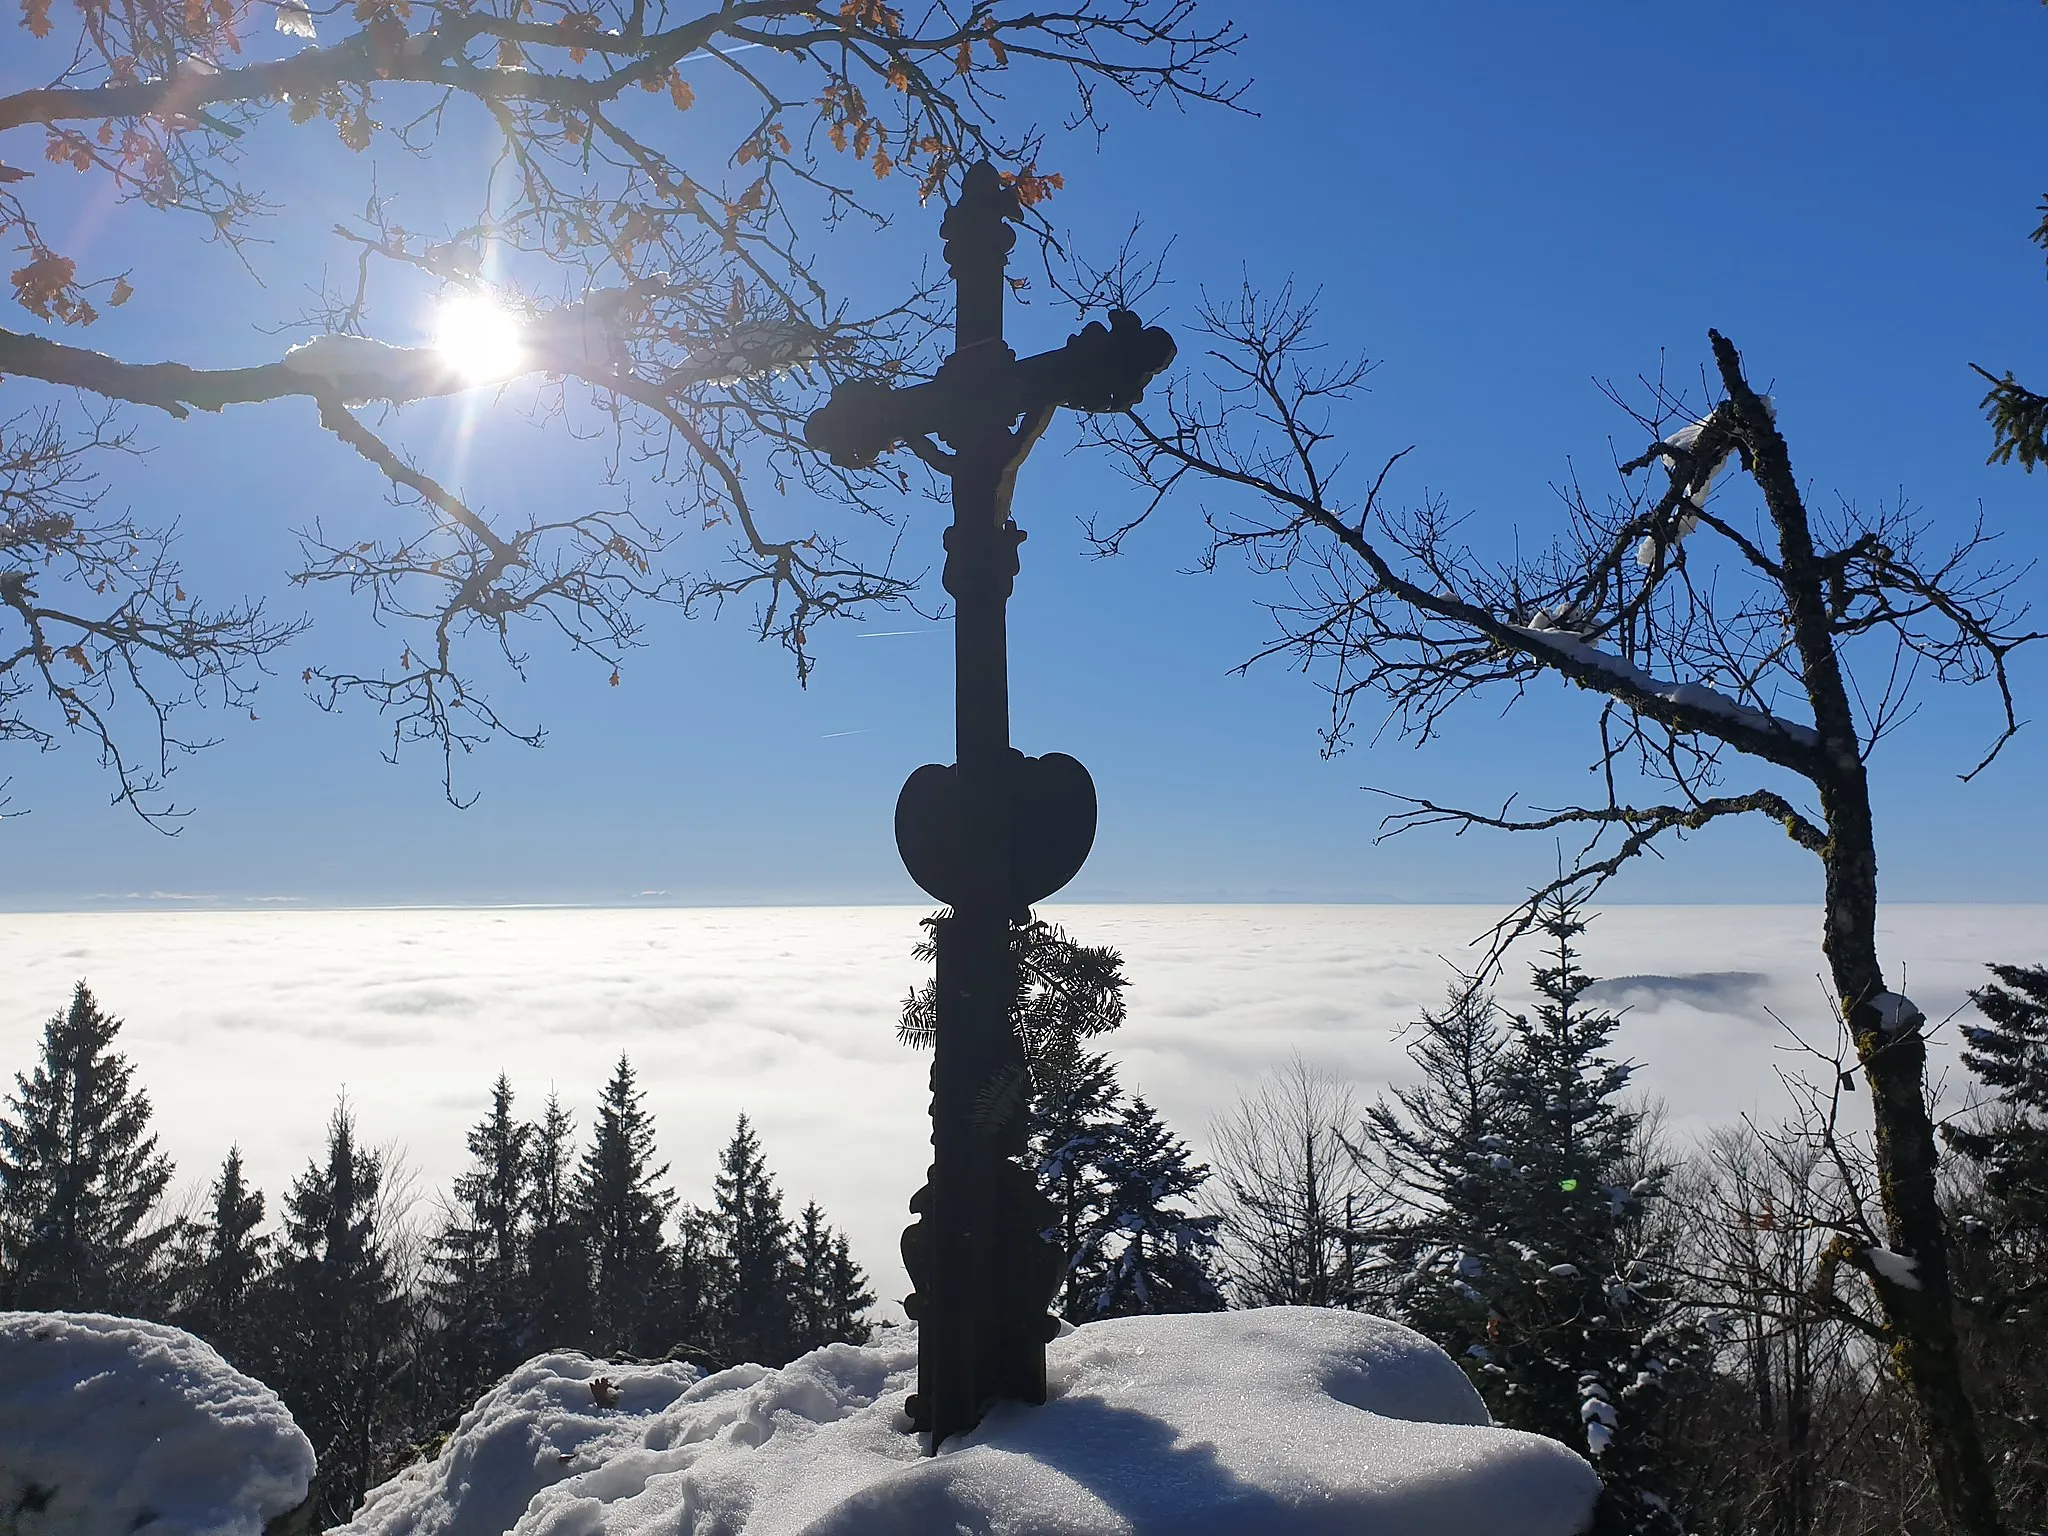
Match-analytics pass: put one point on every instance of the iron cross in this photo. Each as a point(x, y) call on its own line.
point(993, 833)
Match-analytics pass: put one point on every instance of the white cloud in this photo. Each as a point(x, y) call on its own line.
point(245, 1024)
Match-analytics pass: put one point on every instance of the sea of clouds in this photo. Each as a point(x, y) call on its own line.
point(245, 1025)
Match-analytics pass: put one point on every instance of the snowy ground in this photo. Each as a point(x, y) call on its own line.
point(1284, 1422)
point(244, 1025)
point(112, 1427)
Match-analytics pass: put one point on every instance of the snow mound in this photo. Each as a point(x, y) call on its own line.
point(135, 1429)
point(1284, 1421)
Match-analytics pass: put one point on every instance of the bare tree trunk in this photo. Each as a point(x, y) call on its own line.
point(1919, 1315)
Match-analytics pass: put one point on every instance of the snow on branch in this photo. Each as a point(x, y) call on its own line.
point(1687, 696)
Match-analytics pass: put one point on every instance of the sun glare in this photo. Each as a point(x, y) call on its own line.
point(478, 336)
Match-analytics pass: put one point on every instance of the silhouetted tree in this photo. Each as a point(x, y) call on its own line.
point(80, 1175)
point(621, 1205)
point(831, 1292)
point(223, 1284)
point(558, 1253)
point(753, 1305)
point(1290, 1195)
point(337, 1348)
point(479, 1282)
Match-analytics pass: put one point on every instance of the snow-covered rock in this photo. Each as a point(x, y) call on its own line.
point(109, 1425)
point(1283, 1421)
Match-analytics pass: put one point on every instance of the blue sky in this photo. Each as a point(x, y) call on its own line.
point(1502, 204)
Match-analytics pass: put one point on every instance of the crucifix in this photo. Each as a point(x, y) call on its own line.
point(994, 832)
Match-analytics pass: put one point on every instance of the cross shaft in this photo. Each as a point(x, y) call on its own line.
point(994, 832)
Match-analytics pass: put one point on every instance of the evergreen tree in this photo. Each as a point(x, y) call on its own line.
point(831, 1295)
point(811, 1271)
point(1435, 1146)
point(80, 1176)
point(1526, 1254)
point(848, 1296)
point(222, 1290)
point(621, 1207)
point(1074, 1106)
point(558, 1253)
point(753, 1293)
point(683, 1320)
point(479, 1281)
point(1589, 1320)
point(339, 1343)
point(1999, 1233)
point(2018, 416)
point(1147, 1251)
point(2009, 1054)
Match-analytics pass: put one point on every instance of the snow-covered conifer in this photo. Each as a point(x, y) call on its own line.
point(1518, 1243)
point(1148, 1250)
point(1582, 1317)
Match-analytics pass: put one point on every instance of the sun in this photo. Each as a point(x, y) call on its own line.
point(478, 336)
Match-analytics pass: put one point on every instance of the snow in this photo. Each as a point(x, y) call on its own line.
point(1900, 1269)
point(1281, 1421)
point(751, 349)
point(373, 370)
point(1690, 695)
point(117, 1426)
point(294, 18)
point(1895, 1013)
point(1695, 503)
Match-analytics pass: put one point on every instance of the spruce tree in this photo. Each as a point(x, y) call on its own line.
point(223, 1284)
point(1146, 1250)
point(753, 1292)
point(829, 1290)
point(2009, 1144)
point(81, 1178)
point(811, 1270)
point(1074, 1115)
point(1436, 1147)
point(478, 1284)
point(1521, 1241)
point(339, 1345)
point(847, 1296)
point(1999, 1233)
point(558, 1252)
point(621, 1206)
point(1583, 1320)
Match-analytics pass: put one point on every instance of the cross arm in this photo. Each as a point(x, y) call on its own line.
point(1101, 368)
